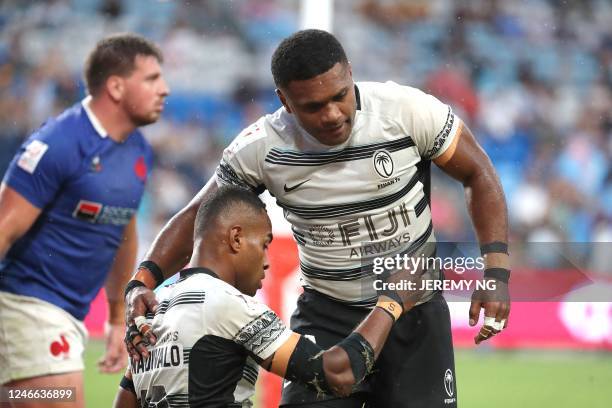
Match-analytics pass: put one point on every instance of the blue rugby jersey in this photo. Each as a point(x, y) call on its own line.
point(88, 188)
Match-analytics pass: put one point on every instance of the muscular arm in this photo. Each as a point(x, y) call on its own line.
point(467, 162)
point(123, 265)
point(336, 364)
point(115, 356)
point(17, 215)
point(126, 396)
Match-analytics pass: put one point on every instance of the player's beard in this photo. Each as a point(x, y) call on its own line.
point(142, 119)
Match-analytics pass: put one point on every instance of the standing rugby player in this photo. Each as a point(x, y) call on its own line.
point(350, 165)
point(67, 219)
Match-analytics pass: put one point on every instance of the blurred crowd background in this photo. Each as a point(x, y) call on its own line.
point(531, 78)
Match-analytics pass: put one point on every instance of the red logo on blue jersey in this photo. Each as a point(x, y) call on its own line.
point(87, 210)
point(140, 168)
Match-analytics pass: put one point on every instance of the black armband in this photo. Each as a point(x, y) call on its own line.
point(155, 270)
point(131, 285)
point(306, 366)
point(494, 247)
point(501, 274)
point(127, 385)
point(361, 355)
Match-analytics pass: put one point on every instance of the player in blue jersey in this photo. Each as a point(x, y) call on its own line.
point(67, 214)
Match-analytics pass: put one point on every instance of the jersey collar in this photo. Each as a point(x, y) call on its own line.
point(190, 271)
point(92, 118)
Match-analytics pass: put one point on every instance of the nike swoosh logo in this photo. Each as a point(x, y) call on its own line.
point(288, 189)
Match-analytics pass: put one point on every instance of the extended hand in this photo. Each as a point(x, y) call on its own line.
point(115, 357)
point(496, 304)
point(139, 301)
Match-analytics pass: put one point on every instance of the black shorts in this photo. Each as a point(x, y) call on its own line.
point(415, 369)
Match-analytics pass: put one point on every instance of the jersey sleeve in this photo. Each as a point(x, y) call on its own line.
point(40, 166)
point(252, 325)
point(242, 160)
point(431, 123)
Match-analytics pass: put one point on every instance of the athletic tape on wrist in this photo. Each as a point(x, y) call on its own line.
point(494, 247)
point(501, 274)
point(361, 355)
point(392, 294)
point(131, 285)
point(306, 366)
point(155, 270)
point(393, 308)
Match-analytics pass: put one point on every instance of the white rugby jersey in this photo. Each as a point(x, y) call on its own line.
point(210, 336)
point(349, 203)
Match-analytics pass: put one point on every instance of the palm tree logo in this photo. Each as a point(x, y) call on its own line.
point(383, 164)
point(448, 382)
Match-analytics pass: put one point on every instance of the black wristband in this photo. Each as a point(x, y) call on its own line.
point(495, 247)
point(501, 274)
point(131, 285)
point(127, 384)
point(155, 270)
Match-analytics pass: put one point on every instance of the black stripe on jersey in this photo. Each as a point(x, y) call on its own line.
point(228, 175)
point(299, 237)
point(335, 274)
point(421, 205)
point(252, 370)
point(358, 97)
point(443, 135)
point(186, 353)
point(337, 210)
point(365, 303)
point(178, 398)
point(181, 299)
point(296, 158)
point(250, 374)
point(360, 271)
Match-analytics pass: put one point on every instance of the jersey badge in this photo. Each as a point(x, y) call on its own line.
point(87, 210)
point(96, 166)
point(383, 163)
point(31, 156)
point(140, 169)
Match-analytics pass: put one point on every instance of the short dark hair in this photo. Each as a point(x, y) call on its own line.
point(222, 203)
point(304, 55)
point(115, 55)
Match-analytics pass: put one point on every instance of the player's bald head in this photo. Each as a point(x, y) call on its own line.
point(229, 205)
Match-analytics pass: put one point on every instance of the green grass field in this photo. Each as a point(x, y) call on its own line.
point(485, 378)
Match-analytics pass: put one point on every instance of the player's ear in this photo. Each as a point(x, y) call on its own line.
point(283, 100)
point(236, 237)
point(115, 87)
